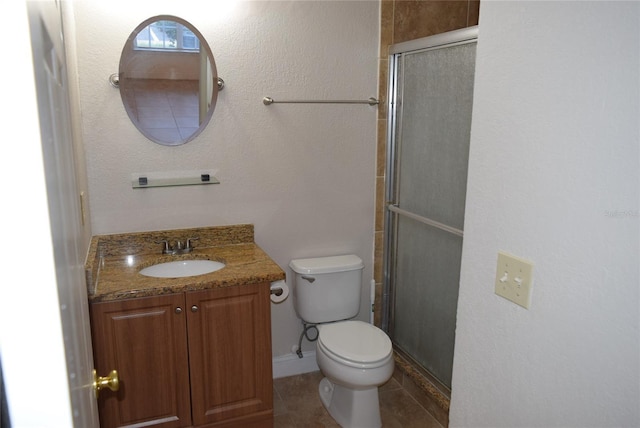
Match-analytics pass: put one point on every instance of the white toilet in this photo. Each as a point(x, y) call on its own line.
point(356, 357)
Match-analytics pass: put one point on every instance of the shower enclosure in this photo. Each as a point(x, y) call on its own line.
point(430, 95)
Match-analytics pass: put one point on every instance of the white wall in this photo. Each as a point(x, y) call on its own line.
point(554, 178)
point(302, 174)
point(163, 65)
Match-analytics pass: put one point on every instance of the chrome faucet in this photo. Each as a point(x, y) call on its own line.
point(167, 249)
point(188, 247)
point(178, 248)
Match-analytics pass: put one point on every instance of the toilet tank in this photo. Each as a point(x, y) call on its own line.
point(327, 289)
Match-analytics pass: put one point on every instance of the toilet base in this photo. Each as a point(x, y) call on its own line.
point(351, 408)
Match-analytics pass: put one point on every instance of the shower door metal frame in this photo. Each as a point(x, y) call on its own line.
point(394, 119)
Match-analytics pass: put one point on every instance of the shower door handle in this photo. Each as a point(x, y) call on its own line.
point(308, 278)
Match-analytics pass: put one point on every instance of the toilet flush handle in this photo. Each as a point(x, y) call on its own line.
point(308, 278)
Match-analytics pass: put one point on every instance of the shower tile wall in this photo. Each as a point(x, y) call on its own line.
point(402, 21)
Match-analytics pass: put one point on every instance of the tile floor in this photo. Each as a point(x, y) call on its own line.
point(297, 404)
point(167, 110)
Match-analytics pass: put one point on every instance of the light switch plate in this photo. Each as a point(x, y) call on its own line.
point(514, 278)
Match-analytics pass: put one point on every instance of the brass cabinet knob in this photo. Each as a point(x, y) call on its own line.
point(194, 308)
point(112, 382)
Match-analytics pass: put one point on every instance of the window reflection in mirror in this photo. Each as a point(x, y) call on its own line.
point(167, 35)
point(168, 80)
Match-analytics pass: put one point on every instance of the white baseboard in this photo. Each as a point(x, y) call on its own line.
point(291, 365)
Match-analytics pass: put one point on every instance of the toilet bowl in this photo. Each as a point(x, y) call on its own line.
point(355, 358)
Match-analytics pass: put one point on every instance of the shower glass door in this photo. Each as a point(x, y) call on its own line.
point(430, 121)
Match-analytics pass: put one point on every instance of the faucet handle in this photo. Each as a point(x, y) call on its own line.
point(188, 244)
point(167, 248)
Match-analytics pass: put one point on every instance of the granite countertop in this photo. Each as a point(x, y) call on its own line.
point(114, 261)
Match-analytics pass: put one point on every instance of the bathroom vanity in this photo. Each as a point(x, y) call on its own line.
point(189, 351)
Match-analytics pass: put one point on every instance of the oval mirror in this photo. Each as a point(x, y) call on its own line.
point(168, 80)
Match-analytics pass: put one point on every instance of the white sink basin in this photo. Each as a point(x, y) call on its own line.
point(182, 268)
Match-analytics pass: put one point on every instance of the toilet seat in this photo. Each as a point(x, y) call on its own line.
point(355, 344)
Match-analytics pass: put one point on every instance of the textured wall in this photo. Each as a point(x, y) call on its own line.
point(301, 173)
point(554, 178)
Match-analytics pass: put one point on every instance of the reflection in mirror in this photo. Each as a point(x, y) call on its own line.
point(168, 80)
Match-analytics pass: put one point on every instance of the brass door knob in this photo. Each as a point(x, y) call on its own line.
point(112, 382)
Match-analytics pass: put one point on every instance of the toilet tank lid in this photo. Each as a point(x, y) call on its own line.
point(327, 264)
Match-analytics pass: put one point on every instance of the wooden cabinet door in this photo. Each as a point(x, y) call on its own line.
point(145, 340)
point(230, 355)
